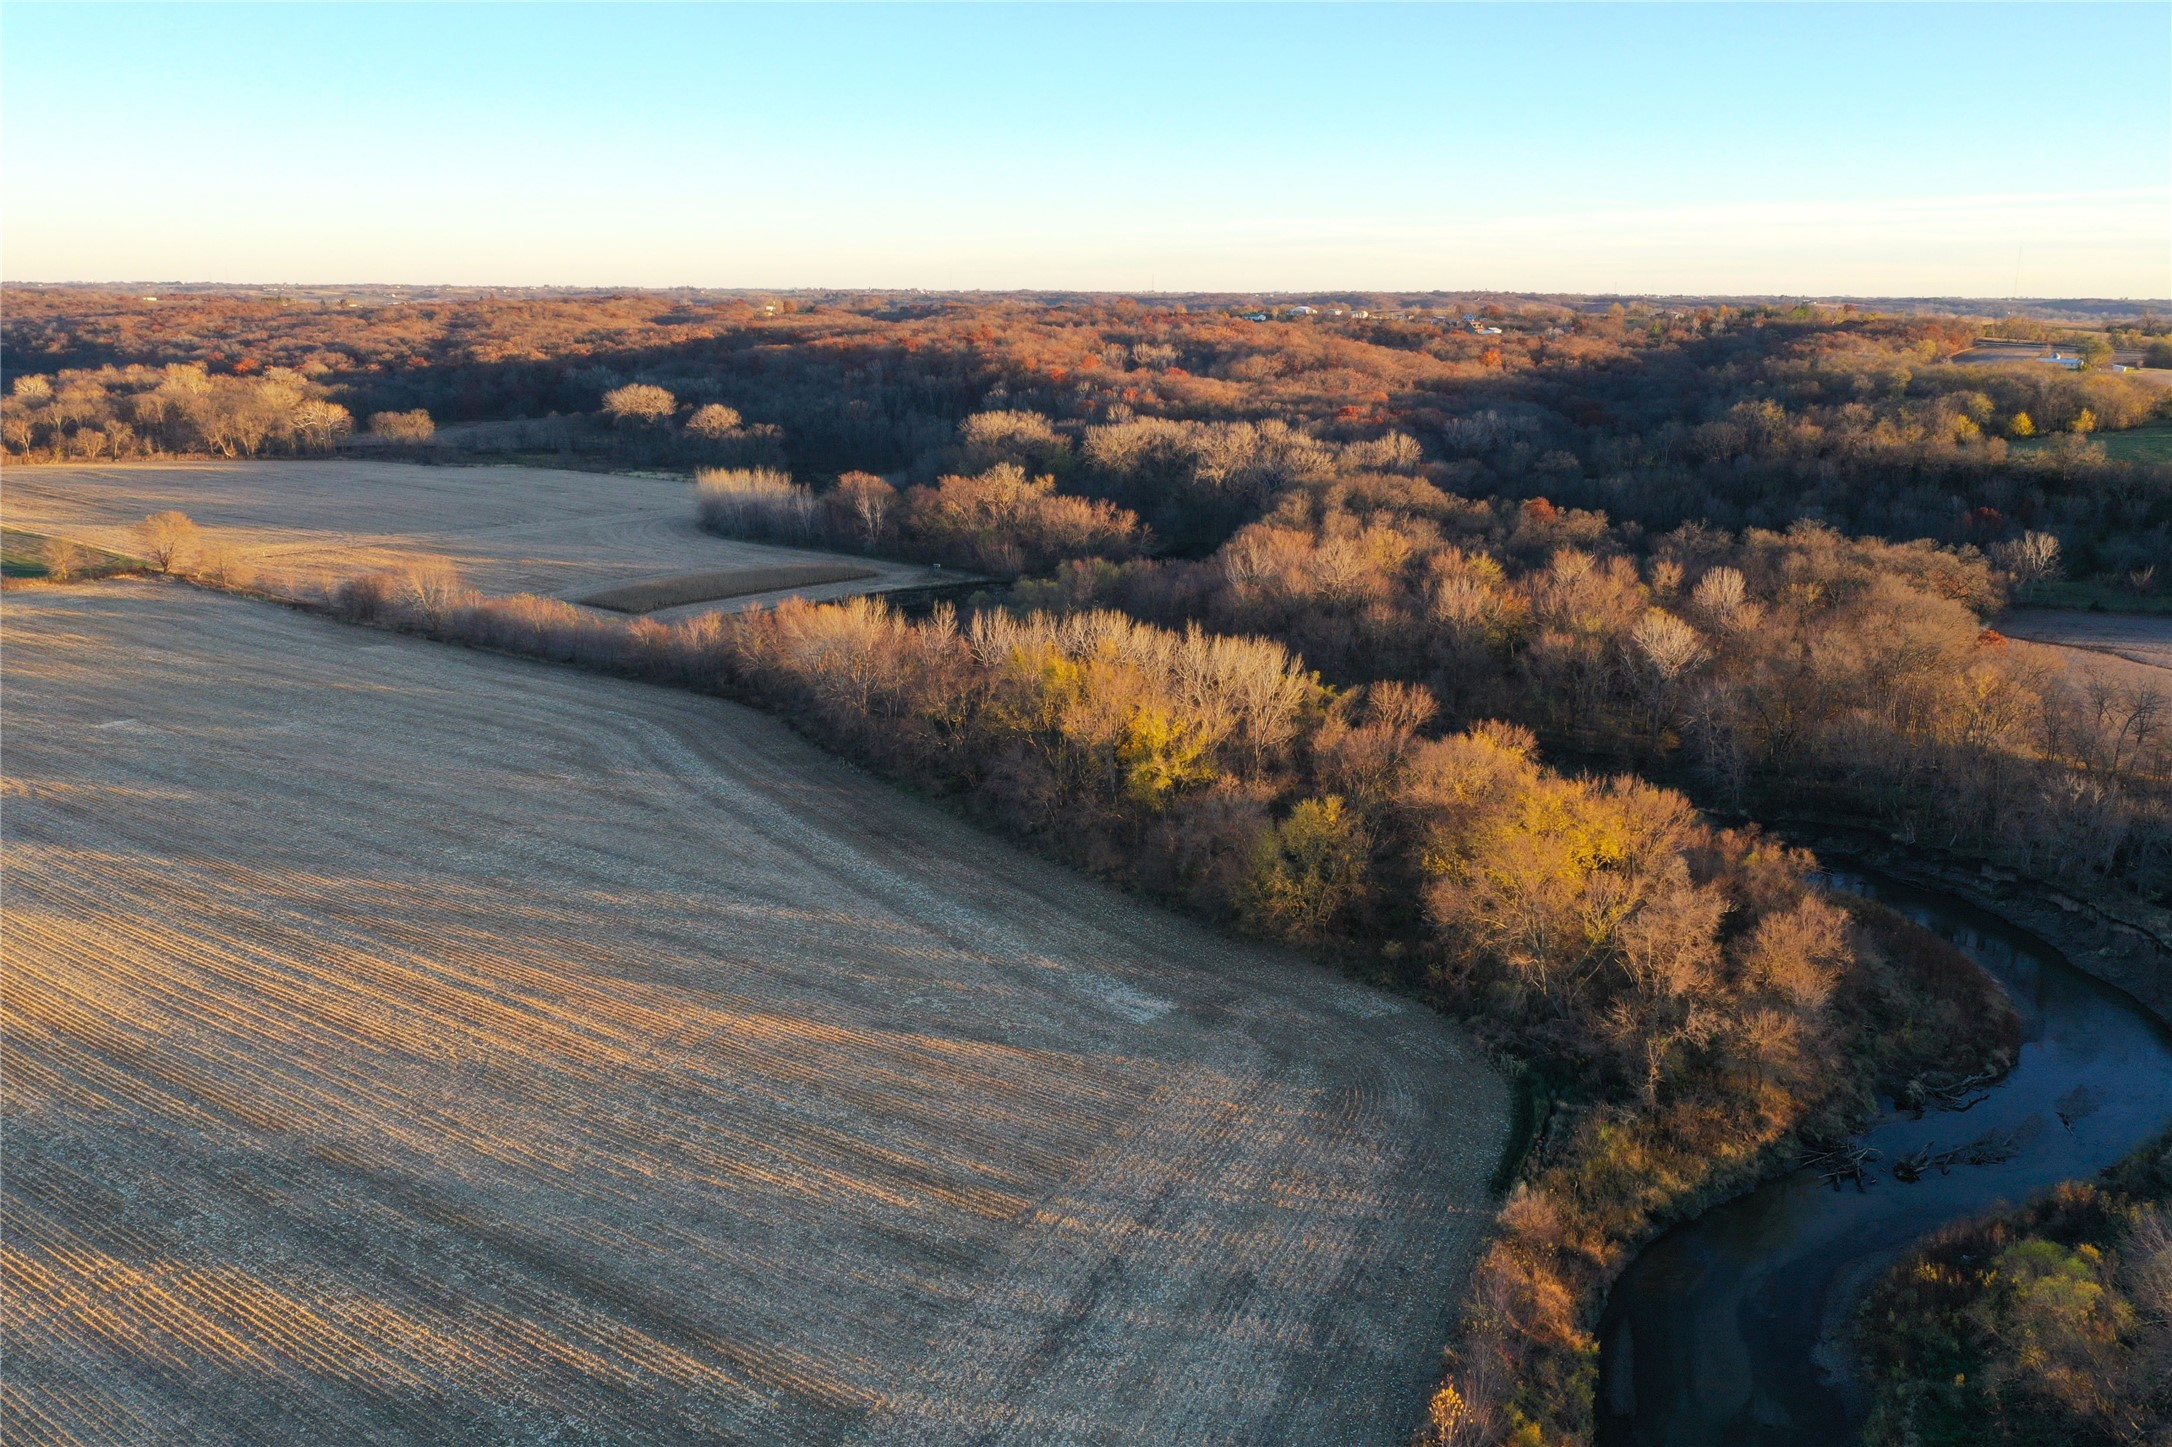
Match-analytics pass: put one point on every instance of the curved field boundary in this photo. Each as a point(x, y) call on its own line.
point(551, 531)
point(2141, 638)
point(410, 1045)
point(22, 556)
point(687, 588)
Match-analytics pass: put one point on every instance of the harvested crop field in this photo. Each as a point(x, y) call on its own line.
point(507, 529)
point(2144, 638)
point(715, 587)
point(2123, 651)
point(413, 1045)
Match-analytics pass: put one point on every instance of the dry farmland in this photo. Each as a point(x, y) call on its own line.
point(662, 594)
point(508, 529)
point(2126, 652)
point(412, 1045)
point(2142, 638)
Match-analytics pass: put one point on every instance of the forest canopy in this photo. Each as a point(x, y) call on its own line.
point(1658, 413)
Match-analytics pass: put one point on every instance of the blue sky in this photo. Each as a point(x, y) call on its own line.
point(1868, 149)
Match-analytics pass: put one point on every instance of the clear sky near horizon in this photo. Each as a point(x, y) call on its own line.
point(1947, 149)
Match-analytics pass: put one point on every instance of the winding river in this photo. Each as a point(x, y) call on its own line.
point(1729, 1330)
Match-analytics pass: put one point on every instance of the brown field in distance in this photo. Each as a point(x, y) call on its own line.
point(687, 588)
point(411, 1045)
point(507, 529)
point(2141, 638)
point(2128, 652)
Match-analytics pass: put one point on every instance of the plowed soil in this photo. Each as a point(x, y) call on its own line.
point(411, 1045)
point(508, 529)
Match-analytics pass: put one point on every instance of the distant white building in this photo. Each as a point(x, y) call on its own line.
point(1300, 311)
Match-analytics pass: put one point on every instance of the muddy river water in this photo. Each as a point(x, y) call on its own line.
point(1729, 1330)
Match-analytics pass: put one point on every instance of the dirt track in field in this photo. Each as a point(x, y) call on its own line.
point(411, 1045)
point(508, 529)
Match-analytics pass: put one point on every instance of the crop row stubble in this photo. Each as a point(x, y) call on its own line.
point(407, 1045)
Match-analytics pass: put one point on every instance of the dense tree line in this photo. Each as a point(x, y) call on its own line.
point(1801, 669)
point(128, 412)
point(1737, 417)
point(181, 409)
point(1000, 521)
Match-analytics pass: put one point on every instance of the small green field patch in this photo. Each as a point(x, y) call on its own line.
point(2094, 595)
point(2152, 444)
point(24, 555)
point(2139, 444)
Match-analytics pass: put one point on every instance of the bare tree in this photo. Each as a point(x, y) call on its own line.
point(1668, 649)
point(712, 423)
point(414, 426)
point(431, 586)
point(639, 402)
point(867, 501)
point(755, 502)
point(1669, 646)
point(319, 425)
point(1722, 597)
point(2030, 559)
point(166, 537)
point(218, 563)
point(63, 559)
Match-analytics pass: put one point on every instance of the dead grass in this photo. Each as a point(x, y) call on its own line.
point(414, 1045)
point(714, 587)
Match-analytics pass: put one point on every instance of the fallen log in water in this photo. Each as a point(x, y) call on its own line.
point(1989, 1149)
point(1941, 1090)
point(1850, 1162)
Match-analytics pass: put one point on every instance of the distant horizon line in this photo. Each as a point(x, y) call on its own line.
point(1064, 291)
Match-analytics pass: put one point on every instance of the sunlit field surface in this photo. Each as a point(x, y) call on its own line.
point(2124, 654)
point(507, 529)
point(406, 1044)
point(2140, 638)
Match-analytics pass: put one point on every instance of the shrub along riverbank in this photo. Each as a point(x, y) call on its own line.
point(2049, 1322)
